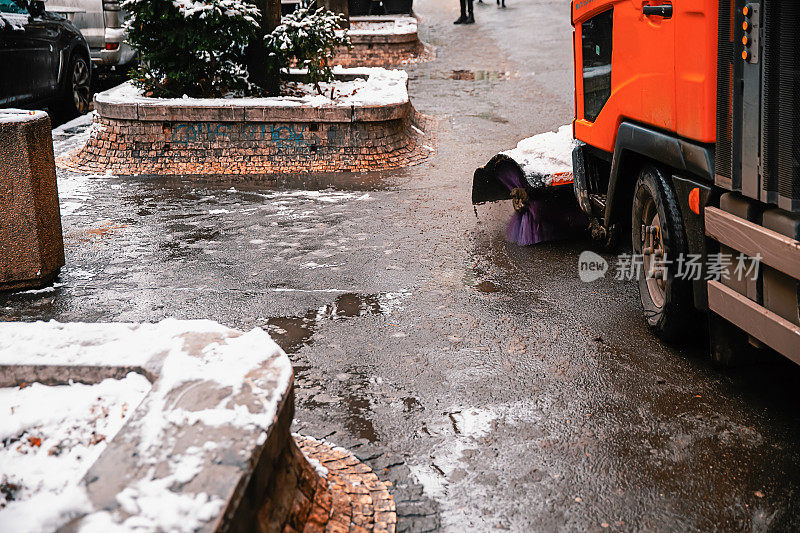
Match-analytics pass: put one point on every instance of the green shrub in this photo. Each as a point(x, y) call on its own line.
point(307, 39)
point(191, 47)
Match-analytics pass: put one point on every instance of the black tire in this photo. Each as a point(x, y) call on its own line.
point(656, 224)
point(76, 93)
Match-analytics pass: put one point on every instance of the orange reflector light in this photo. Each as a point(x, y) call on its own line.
point(112, 46)
point(746, 11)
point(694, 200)
point(561, 178)
point(745, 26)
point(744, 40)
point(744, 55)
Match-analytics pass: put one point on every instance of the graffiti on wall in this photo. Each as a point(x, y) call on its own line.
point(290, 137)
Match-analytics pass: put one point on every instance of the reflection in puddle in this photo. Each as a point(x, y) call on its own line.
point(479, 75)
point(487, 286)
point(292, 333)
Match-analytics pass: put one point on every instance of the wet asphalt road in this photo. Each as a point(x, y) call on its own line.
point(491, 386)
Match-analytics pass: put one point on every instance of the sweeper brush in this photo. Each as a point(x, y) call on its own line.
point(537, 177)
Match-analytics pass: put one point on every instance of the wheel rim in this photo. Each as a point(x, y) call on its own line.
point(653, 254)
point(80, 86)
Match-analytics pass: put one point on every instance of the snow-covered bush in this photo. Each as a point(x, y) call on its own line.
point(307, 38)
point(192, 47)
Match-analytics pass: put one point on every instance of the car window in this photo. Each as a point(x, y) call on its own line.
point(10, 6)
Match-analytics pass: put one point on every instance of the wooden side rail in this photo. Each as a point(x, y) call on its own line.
point(776, 250)
point(771, 329)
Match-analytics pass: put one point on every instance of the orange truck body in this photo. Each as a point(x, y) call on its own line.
point(664, 70)
point(706, 93)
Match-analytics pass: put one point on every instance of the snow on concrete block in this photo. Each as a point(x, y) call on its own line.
point(31, 243)
point(215, 417)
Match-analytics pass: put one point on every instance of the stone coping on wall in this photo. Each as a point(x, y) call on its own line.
point(127, 103)
point(218, 397)
point(403, 29)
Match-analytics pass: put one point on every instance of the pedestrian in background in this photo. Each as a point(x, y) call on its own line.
point(467, 14)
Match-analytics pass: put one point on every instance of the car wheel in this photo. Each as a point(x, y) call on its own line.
point(77, 90)
point(658, 235)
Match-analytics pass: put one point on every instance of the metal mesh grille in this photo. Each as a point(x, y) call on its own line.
point(770, 94)
point(788, 108)
point(724, 159)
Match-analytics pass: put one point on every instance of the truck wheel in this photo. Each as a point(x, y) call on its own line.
point(77, 88)
point(657, 232)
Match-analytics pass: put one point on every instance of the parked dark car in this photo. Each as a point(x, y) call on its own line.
point(44, 60)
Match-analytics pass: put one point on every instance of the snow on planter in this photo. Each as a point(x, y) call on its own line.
point(383, 41)
point(49, 437)
point(362, 121)
point(182, 460)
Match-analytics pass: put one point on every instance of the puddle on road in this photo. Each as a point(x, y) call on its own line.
point(480, 75)
point(487, 287)
point(292, 333)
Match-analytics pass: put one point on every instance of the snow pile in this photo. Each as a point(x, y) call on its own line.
point(544, 155)
point(49, 437)
point(19, 115)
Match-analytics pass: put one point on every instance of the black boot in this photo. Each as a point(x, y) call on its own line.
point(461, 20)
point(469, 9)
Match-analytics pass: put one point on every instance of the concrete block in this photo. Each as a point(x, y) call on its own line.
point(31, 243)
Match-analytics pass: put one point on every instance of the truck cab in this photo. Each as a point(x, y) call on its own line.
point(689, 143)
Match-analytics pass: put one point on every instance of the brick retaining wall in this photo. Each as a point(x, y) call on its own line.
point(371, 54)
point(143, 138)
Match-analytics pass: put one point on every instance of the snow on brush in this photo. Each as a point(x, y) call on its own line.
point(372, 86)
point(49, 437)
point(544, 155)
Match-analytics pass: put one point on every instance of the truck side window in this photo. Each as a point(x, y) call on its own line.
point(596, 45)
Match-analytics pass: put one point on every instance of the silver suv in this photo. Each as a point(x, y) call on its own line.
point(100, 22)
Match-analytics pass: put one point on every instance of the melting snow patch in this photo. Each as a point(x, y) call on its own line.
point(49, 437)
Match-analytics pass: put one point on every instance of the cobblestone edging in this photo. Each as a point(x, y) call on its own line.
point(350, 498)
point(372, 49)
point(133, 138)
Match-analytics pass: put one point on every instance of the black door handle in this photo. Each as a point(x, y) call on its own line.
point(659, 11)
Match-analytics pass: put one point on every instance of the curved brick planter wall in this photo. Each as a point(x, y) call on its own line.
point(385, 48)
point(247, 136)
